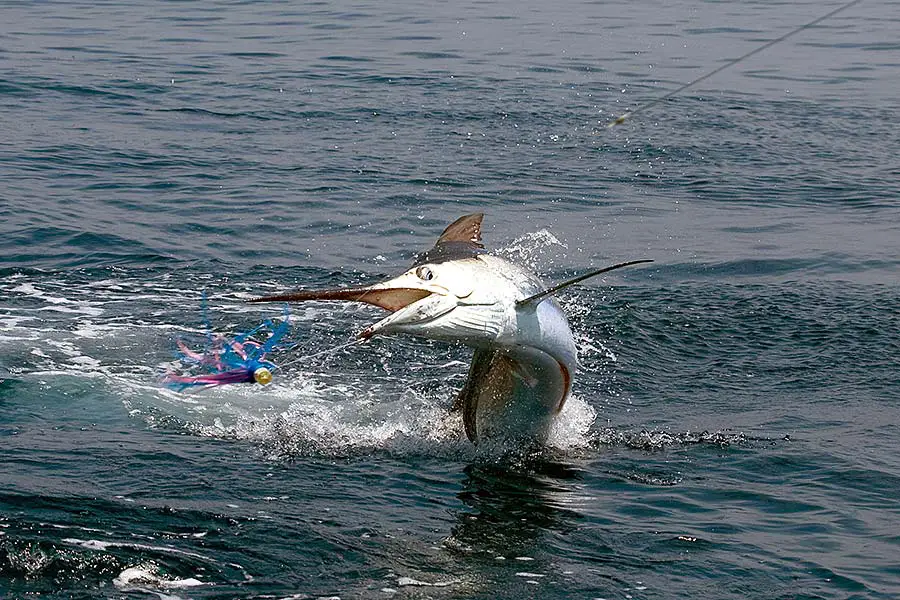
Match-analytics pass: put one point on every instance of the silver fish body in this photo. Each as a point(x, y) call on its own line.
point(525, 354)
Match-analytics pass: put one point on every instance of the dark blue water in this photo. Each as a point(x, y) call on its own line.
point(733, 432)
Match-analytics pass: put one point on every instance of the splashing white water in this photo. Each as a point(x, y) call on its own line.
point(529, 249)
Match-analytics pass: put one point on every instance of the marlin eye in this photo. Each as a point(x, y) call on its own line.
point(424, 273)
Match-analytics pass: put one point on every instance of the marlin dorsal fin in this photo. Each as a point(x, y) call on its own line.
point(461, 239)
point(465, 229)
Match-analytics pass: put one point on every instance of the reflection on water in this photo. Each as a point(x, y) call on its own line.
point(509, 511)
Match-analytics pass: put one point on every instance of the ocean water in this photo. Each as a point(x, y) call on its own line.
point(733, 430)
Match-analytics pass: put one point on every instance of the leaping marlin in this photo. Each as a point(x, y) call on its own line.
point(525, 354)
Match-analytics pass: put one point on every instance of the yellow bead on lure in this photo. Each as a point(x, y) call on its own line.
point(262, 376)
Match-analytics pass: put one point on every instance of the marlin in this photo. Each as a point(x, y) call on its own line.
point(525, 354)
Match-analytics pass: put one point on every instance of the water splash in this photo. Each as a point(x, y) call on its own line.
point(530, 249)
point(655, 440)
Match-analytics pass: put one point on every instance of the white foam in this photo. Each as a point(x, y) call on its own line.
point(66, 372)
point(104, 545)
point(409, 581)
point(66, 347)
point(27, 336)
point(29, 290)
point(302, 416)
point(82, 309)
point(89, 544)
point(89, 329)
point(571, 430)
point(106, 284)
point(14, 321)
point(85, 362)
point(147, 575)
point(58, 303)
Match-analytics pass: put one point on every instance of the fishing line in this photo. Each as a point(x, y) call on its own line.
point(627, 115)
point(331, 350)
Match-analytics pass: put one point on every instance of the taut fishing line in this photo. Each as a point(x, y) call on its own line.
point(331, 350)
point(627, 115)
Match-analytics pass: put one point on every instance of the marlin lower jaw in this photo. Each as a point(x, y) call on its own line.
point(413, 317)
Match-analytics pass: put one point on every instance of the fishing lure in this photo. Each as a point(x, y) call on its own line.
point(241, 359)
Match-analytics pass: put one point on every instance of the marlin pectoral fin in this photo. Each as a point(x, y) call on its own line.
point(467, 400)
point(512, 394)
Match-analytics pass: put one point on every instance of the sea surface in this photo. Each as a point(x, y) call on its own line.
point(734, 427)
